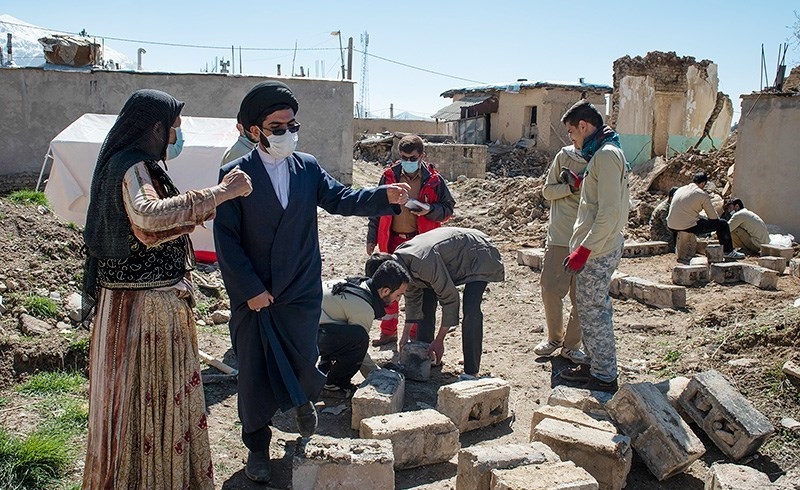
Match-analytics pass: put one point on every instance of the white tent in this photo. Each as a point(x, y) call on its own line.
point(74, 153)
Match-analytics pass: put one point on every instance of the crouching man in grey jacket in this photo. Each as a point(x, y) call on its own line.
point(440, 260)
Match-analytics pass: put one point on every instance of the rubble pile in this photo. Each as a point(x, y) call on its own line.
point(681, 167)
point(517, 160)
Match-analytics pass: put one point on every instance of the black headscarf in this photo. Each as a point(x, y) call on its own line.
point(140, 134)
point(261, 100)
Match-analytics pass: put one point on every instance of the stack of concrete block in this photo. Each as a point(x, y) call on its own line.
point(653, 294)
point(699, 260)
point(474, 404)
point(591, 402)
point(733, 272)
point(685, 246)
point(778, 264)
point(644, 249)
point(777, 251)
point(729, 419)
point(660, 437)
point(334, 463)
point(794, 268)
point(415, 361)
point(605, 454)
point(616, 279)
point(558, 476)
point(475, 464)
point(418, 438)
point(673, 389)
point(571, 415)
point(723, 476)
point(690, 275)
point(532, 257)
point(382, 393)
point(715, 253)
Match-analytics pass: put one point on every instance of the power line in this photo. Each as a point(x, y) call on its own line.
point(418, 68)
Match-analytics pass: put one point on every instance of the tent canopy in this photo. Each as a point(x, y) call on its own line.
point(74, 151)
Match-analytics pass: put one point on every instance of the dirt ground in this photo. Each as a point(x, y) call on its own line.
point(720, 324)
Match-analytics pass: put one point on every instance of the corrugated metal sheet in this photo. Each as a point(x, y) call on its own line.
point(517, 86)
point(452, 112)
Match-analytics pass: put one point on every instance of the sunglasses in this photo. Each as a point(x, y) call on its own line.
point(281, 131)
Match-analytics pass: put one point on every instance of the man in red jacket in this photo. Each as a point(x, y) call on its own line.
point(430, 204)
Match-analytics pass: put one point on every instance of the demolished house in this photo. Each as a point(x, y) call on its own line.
point(664, 104)
point(522, 110)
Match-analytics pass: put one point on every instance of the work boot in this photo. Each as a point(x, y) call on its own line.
point(384, 339)
point(257, 468)
point(547, 347)
point(579, 373)
point(597, 384)
point(306, 416)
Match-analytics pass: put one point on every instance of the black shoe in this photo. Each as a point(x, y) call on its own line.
point(306, 416)
point(257, 468)
point(579, 373)
point(596, 384)
point(336, 391)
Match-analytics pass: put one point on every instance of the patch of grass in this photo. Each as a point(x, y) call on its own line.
point(27, 196)
point(73, 226)
point(203, 307)
point(71, 416)
point(80, 345)
point(34, 462)
point(48, 383)
point(673, 355)
point(40, 307)
point(4, 400)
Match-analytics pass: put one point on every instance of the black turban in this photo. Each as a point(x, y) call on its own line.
point(262, 100)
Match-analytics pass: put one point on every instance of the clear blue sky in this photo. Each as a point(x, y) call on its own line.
point(482, 41)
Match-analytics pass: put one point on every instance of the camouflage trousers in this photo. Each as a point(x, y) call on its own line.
point(595, 314)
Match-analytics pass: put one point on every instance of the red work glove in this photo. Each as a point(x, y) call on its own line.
point(567, 176)
point(576, 260)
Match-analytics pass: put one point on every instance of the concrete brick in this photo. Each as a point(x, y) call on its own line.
point(699, 260)
point(758, 276)
point(644, 249)
point(685, 246)
point(532, 257)
point(661, 438)
point(652, 293)
point(591, 402)
point(474, 404)
point(332, 463)
point(418, 438)
point(415, 361)
point(702, 243)
point(616, 278)
point(778, 264)
point(571, 415)
point(382, 393)
point(672, 389)
point(715, 253)
point(725, 476)
point(690, 275)
point(558, 476)
point(794, 268)
point(777, 251)
point(605, 455)
point(726, 273)
point(792, 369)
point(729, 419)
point(475, 463)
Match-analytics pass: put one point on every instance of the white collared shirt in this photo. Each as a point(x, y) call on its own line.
point(278, 171)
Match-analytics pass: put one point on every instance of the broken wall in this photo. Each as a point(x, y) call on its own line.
point(38, 104)
point(663, 104)
point(374, 126)
point(453, 160)
point(767, 170)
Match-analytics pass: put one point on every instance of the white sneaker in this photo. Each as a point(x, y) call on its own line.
point(575, 355)
point(734, 255)
point(547, 347)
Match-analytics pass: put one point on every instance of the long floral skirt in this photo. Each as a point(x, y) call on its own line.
point(147, 420)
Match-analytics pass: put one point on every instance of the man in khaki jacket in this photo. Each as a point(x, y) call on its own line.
point(596, 242)
point(684, 215)
point(748, 230)
point(555, 281)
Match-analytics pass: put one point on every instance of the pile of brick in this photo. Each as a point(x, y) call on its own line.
point(517, 160)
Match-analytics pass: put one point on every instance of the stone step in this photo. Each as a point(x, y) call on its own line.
point(644, 249)
point(652, 293)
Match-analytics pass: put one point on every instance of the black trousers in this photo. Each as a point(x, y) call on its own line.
point(720, 226)
point(471, 326)
point(341, 348)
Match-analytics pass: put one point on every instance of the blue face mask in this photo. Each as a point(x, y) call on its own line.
point(409, 167)
point(174, 149)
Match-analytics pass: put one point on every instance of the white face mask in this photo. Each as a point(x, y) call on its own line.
point(281, 146)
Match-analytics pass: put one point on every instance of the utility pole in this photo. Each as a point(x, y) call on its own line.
point(341, 50)
point(350, 58)
point(391, 111)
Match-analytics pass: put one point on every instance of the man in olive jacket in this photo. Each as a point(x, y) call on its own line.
point(441, 260)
